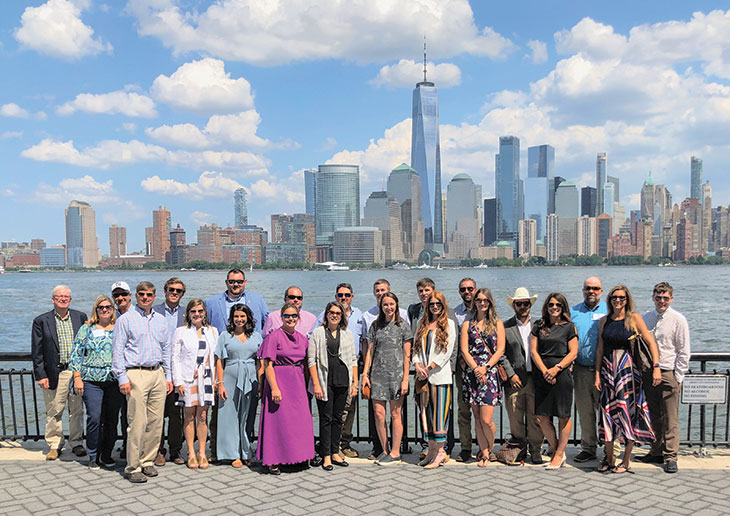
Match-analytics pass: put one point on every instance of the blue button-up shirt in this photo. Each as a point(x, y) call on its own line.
point(354, 324)
point(171, 318)
point(140, 340)
point(586, 324)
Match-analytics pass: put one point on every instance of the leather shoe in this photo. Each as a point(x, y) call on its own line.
point(137, 477)
point(149, 471)
point(274, 470)
point(159, 460)
point(316, 461)
point(79, 450)
point(350, 453)
point(52, 454)
point(464, 456)
point(536, 458)
point(671, 466)
point(328, 467)
point(651, 459)
point(178, 460)
point(342, 464)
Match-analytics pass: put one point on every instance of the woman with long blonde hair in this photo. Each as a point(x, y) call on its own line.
point(432, 351)
point(482, 345)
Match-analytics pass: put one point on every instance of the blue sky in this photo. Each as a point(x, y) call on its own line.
point(133, 104)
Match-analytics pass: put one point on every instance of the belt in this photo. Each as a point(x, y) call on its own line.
point(145, 368)
point(63, 367)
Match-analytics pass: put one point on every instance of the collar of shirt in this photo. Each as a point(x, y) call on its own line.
point(520, 323)
point(143, 313)
point(232, 300)
point(171, 310)
point(61, 318)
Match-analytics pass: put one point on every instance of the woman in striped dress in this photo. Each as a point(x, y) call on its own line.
point(433, 346)
point(624, 412)
point(193, 374)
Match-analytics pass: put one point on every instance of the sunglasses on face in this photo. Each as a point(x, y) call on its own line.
point(336, 314)
point(594, 289)
point(436, 303)
point(104, 308)
point(236, 281)
point(290, 316)
point(466, 289)
point(346, 295)
point(120, 294)
point(520, 304)
point(618, 298)
point(666, 299)
point(555, 305)
point(298, 298)
point(482, 300)
point(145, 294)
point(175, 290)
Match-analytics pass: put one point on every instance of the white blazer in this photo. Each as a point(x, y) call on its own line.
point(441, 374)
point(185, 352)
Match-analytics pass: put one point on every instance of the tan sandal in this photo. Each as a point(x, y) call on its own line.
point(203, 461)
point(193, 462)
point(237, 463)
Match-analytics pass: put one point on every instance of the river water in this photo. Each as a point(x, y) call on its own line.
point(700, 291)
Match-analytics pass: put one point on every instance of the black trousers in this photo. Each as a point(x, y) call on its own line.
point(330, 420)
point(174, 416)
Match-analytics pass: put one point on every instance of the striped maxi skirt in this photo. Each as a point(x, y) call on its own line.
point(438, 412)
point(624, 411)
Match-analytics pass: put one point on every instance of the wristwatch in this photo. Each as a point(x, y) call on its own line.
point(655, 366)
point(559, 366)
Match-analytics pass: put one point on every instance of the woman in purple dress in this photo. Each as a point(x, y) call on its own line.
point(286, 433)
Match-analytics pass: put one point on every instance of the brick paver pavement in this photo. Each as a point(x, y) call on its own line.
point(66, 486)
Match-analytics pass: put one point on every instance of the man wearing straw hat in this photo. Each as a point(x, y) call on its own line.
point(520, 390)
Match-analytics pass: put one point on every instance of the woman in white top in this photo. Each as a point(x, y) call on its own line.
point(193, 374)
point(433, 345)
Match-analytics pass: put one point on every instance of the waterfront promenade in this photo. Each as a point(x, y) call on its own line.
point(30, 485)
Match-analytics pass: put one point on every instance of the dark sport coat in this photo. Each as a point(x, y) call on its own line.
point(44, 344)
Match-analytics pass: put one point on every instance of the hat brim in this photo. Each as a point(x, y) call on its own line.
point(531, 299)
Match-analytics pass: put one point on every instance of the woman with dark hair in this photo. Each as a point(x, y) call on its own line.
point(194, 376)
point(482, 345)
point(386, 372)
point(624, 411)
point(236, 383)
point(285, 426)
point(91, 364)
point(553, 348)
point(432, 349)
point(333, 368)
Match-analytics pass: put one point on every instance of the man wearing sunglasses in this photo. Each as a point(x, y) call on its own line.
point(586, 316)
point(141, 362)
point(462, 312)
point(671, 333)
point(306, 321)
point(51, 342)
point(174, 316)
point(520, 389)
point(122, 296)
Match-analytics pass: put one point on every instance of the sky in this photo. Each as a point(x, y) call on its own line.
point(134, 104)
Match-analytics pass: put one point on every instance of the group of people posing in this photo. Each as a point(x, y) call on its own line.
point(206, 366)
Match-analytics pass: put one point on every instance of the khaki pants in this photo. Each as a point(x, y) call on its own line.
point(145, 417)
point(663, 401)
point(520, 404)
point(55, 400)
point(463, 417)
point(586, 402)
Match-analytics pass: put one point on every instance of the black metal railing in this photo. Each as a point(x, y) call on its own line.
point(22, 415)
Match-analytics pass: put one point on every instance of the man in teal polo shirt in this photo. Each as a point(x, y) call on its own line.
point(585, 316)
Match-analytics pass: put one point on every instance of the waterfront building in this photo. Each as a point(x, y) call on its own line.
point(490, 221)
point(462, 216)
point(608, 196)
point(551, 243)
point(509, 189)
point(161, 226)
point(240, 208)
point(540, 171)
point(288, 253)
point(587, 235)
point(246, 244)
point(310, 191)
point(616, 183)
point(37, 244)
point(588, 201)
point(404, 186)
point(527, 241)
point(600, 178)
point(54, 256)
point(426, 159)
point(501, 249)
point(619, 218)
point(338, 200)
point(359, 244)
point(384, 213)
point(178, 247)
point(82, 247)
point(117, 241)
point(695, 170)
point(566, 201)
point(553, 186)
point(603, 231)
point(567, 236)
point(148, 241)
point(706, 216)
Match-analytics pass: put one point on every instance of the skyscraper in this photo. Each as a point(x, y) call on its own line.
point(508, 188)
point(588, 201)
point(616, 183)
point(695, 167)
point(338, 200)
point(540, 170)
point(82, 246)
point(178, 247)
point(600, 178)
point(462, 216)
point(384, 212)
point(161, 226)
point(404, 185)
point(117, 241)
point(566, 201)
point(608, 196)
point(490, 221)
point(240, 208)
point(310, 190)
point(426, 158)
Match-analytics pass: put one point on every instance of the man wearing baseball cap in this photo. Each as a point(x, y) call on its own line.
point(122, 297)
point(520, 390)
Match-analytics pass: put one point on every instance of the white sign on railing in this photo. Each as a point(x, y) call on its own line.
point(704, 389)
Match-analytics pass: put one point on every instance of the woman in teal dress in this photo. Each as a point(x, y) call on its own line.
point(236, 384)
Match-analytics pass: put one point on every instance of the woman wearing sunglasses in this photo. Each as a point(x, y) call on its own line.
point(285, 426)
point(553, 348)
point(624, 411)
point(91, 364)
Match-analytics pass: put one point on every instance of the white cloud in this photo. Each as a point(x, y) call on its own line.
point(406, 73)
point(538, 51)
point(273, 33)
point(202, 218)
point(55, 28)
point(100, 194)
point(276, 189)
point(204, 87)
point(127, 103)
point(130, 127)
point(13, 110)
point(114, 153)
point(11, 134)
point(209, 184)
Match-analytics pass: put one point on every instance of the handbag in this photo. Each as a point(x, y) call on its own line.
point(640, 353)
point(502, 372)
point(365, 392)
point(421, 386)
point(513, 452)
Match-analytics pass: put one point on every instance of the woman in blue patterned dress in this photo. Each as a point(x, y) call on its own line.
point(624, 411)
point(482, 345)
point(91, 364)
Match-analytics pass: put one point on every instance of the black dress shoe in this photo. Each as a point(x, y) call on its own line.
point(274, 470)
point(316, 460)
point(328, 467)
point(651, 459)
point(342, 464)
point(671, 466)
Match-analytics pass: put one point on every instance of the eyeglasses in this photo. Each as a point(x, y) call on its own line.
point(145, 294)
point(466, 289)
point(120, 294)
point(175, 290)
point(666, 299)
point(298, 298)
point(336, 314)
point(555, 305)
point(595, 289)
point(346, 295)
point(104, 308)
point(618, 298)
point(290, 316)
point(481, 300)
point(519, 304)
point(200, 311)
point(435, 303)
point(235, 281)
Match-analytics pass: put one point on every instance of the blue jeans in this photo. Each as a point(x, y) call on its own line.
point(102, 400)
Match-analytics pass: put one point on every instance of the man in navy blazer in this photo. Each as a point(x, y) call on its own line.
point(174, 315)
point(218, 308)
point(50, 344)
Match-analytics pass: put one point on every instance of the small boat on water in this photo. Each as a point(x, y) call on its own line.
point(25, 270)
point(400, 267)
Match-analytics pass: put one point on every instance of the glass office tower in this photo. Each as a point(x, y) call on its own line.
point(540, 170)
point(508, 188)
point(338, 200)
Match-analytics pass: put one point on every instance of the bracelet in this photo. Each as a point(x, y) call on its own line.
point(218, 383)
point(559, 366)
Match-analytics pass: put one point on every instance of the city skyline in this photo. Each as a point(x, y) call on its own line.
point(581, 78)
